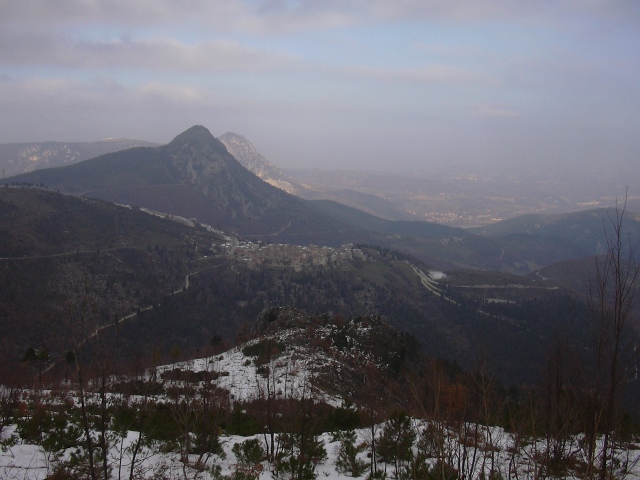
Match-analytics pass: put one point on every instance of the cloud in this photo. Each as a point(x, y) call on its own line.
point(79, 110)
point(41, 94)
point(151, 54)
point(184, 96)
point(430, 74)
point(540, 12)
point(271, 17)
point(452, 51)
point(488, 110)
point(99, 67)
point(246, 16)
point(65, 94)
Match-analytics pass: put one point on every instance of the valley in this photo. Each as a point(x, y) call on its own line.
point(237, 279)
point(481, 197)
point(456, 197)
point(174, 270)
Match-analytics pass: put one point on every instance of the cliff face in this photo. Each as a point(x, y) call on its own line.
point(244, 151)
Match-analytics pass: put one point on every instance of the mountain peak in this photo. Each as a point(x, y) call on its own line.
point(197, 139)
point(197, 133)
point(234, 136)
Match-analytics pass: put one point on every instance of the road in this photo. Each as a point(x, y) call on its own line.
point(118, 322)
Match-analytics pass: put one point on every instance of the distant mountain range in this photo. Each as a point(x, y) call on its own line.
point(195, 176)
point(586, 229)
point(16, 158)
point(75, 266)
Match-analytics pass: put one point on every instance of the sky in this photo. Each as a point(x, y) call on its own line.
point(407, 85)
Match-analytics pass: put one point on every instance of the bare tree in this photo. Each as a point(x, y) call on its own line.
point(558, 406)
point(614, 296)
point(81, 322)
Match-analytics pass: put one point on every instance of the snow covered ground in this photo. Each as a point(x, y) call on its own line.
point(472, 450)
point(436, 275)
point(290, 375)
point(31, 462)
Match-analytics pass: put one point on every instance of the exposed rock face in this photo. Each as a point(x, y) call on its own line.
point(244, 151)
point(277, 318)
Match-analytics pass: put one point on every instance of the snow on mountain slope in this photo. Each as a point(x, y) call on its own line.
point(289, 375)
point(299, 356)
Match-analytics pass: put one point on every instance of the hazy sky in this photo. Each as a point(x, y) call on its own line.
point(380, 84)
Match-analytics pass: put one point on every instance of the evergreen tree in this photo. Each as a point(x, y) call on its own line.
point(347, 461)
point(395, 444)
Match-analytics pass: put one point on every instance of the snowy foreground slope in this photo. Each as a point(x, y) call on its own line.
point(291, 372)
point(305, 398)
point(501, 459)
point(30, 462)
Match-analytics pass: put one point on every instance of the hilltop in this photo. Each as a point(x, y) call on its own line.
point(331, 359)
point(586, 229)
point(244, 151)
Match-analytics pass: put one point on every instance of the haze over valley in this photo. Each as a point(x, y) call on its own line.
point(461, 197)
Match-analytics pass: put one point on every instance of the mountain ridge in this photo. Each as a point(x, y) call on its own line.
point(586, 228)
point(194, 176)
point(244, 151)
point(17, 158)
point(179, 290)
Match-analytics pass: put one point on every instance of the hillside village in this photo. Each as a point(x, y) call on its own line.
point(259, 255)
point(256, 255)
